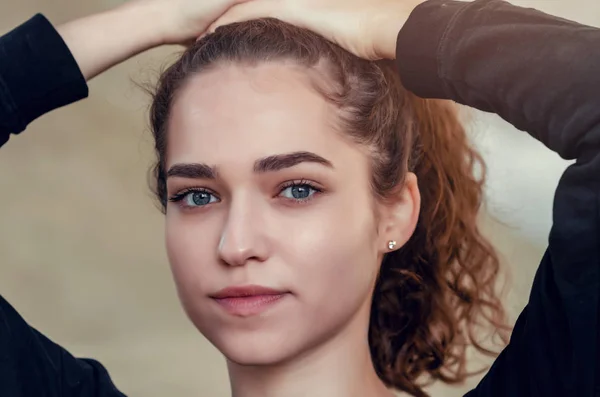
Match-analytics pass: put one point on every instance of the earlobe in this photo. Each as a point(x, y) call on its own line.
point(401, 214)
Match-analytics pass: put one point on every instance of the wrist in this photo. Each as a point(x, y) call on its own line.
point(147, 22)
point(103, 40)
point(388, 24)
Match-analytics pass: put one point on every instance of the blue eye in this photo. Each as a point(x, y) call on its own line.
point(299, 192)
point(195, 198)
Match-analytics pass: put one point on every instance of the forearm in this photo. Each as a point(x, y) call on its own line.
point(537, 71)
point(103, 40)
point(43, 68)
point(37, 74)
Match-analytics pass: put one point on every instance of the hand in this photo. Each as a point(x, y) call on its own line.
point(366, 28)
point(182, 21)
point(103, 40)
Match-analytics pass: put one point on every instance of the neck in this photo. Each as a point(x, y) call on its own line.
point(341, 366)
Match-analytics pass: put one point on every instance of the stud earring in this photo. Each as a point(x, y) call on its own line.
point(391, 244)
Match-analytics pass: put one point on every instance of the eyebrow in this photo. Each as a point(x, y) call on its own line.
point(267, 164)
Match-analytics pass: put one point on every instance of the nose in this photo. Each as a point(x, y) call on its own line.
point(244, 235)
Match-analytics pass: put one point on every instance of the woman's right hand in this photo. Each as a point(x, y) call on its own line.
point(366, 28)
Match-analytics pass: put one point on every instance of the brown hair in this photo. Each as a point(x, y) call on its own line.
point(433, 292)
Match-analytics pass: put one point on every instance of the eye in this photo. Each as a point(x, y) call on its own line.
point(192, 198)
point(299, 191)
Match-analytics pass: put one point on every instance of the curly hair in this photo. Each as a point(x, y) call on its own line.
point(432, 294)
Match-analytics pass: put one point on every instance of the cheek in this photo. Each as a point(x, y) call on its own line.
point(191, 250)
point(340, 254)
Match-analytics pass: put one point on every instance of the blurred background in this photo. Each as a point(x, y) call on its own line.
point(81, 243)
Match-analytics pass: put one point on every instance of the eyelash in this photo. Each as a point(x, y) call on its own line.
point(179, 196)
point(301, 182)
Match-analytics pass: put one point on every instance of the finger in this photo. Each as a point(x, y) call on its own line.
point(247, 11)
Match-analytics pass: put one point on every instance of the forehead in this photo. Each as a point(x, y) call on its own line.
point(234, 112)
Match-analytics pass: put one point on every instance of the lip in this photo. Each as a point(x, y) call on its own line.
point(248, 300)
point(246, 291)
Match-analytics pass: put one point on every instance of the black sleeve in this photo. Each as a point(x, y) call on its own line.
point(37, 74)
point(32, 366)
point(541, 74)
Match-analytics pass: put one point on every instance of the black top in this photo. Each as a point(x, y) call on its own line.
point(540, 73)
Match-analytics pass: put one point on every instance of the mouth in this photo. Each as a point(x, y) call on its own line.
point(245, 301)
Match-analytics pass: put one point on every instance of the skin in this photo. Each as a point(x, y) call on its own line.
point(366, 28)
point(326, 250)
point(103, 40)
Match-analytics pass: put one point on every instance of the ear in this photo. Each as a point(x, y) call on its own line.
point(399, 214)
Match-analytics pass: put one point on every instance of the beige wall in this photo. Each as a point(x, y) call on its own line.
point(81, 245)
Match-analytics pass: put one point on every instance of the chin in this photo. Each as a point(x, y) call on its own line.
point(256, 347)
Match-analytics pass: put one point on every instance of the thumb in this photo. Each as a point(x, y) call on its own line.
point(247, 11)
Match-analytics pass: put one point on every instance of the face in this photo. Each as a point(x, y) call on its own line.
point(271, 229)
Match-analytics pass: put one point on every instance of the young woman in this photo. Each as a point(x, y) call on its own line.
point(320, 218)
